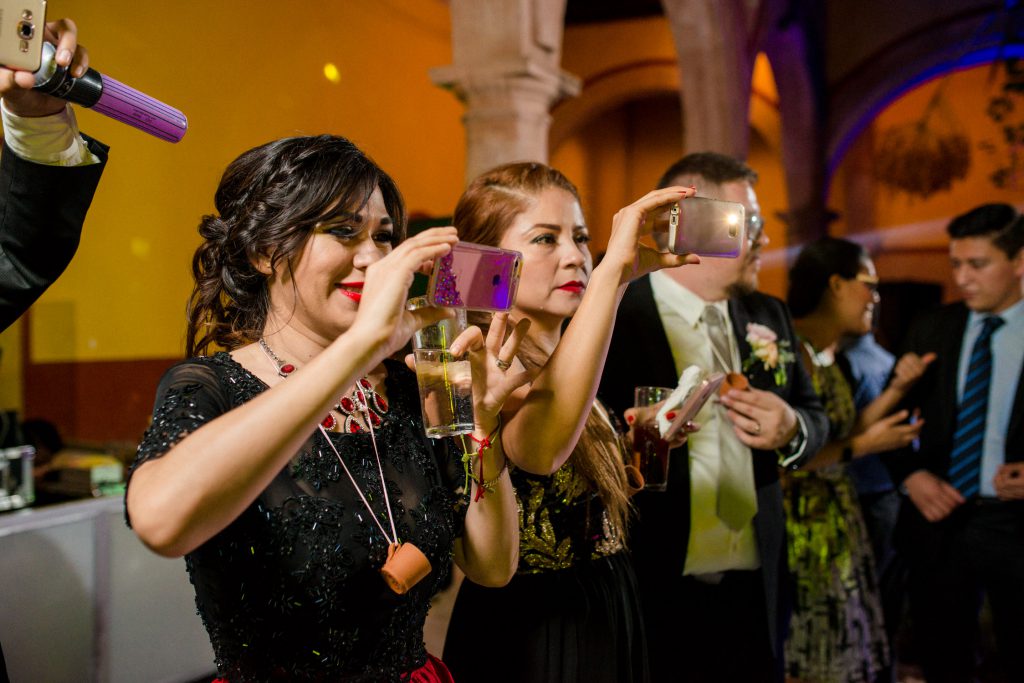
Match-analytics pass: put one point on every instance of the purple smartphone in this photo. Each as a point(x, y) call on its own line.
point(708, 227)
point(475, 277)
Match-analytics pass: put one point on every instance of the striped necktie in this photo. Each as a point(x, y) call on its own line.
point(969, 438)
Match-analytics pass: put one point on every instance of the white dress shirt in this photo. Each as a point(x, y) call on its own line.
point(51, 140)
point(1007, 360)
point(713, 547)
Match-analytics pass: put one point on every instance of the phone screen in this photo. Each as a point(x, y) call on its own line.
point(709, 227)
point(475, 277)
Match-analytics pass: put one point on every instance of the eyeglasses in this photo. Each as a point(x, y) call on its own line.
point(755, 227)
point(870, 281)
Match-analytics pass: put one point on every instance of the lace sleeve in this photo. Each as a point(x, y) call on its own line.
point(189, 395)
point(453, 477)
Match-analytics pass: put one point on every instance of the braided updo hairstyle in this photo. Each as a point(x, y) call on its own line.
point(268, 203)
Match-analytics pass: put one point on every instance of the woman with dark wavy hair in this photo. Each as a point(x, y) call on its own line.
point(837, 633)
point(287, 459)
point(571, 613)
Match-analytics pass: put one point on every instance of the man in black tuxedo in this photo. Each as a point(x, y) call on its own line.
point(710, 550)
point(48, 174)
point(962, 527)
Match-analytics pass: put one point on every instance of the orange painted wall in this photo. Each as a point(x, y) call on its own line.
point(244, 73)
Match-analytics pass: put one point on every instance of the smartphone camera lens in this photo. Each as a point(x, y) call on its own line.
point(26, 30)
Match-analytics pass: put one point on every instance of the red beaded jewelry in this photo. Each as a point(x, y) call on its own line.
point(349, 406)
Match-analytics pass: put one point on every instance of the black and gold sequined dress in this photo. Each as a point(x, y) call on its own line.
point(837, 631)
point(571, 614)
point(290, 590)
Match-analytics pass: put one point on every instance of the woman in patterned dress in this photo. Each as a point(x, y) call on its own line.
point(571, 612)
point(837, 634)
point(287, 467)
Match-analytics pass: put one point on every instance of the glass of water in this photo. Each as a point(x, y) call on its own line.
point(445, 382)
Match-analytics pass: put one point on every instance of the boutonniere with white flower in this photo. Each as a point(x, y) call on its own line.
point(767, 350)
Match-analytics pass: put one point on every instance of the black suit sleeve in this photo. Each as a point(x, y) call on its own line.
point(42, 209)
point(797, 390)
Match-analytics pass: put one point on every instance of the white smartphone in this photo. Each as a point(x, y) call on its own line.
point(708, 227)
point(22, 25)
point(695, 400)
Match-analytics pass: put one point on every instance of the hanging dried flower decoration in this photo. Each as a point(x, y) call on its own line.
point(925, 156)
point(1006, 109)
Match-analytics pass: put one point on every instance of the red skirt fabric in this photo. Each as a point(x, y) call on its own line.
point(434, 671)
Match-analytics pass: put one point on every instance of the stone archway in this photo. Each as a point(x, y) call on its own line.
point(610, 89)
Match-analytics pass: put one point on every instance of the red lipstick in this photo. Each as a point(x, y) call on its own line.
point(575, 286)
point(353, 290)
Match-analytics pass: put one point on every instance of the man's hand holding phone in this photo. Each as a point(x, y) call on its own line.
point(16, 85)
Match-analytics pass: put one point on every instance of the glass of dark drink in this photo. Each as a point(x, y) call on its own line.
point(650, 451)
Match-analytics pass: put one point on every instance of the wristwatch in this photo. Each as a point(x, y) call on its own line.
point(793, 447)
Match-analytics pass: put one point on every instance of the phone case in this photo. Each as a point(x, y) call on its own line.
point(475, 277)
point(22, 25)
point(694, 402)
point(708, 227)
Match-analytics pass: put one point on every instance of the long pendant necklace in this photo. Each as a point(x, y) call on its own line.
point(347, 405)
point(406, 565)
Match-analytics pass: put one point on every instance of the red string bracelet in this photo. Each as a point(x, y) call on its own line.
point(484, 444)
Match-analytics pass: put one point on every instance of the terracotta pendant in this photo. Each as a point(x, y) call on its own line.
point(405, 567)
point(734, 380)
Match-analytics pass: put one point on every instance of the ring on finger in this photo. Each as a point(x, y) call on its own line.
point(502, 364)
point(757, 428)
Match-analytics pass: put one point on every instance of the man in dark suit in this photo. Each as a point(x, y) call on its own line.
point(48, 174)
point(963, 529)
point(709, 551)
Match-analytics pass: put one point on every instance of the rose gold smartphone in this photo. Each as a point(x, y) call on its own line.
point(22, 24)
point(708, 227)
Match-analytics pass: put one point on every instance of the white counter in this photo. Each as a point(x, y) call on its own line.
point(81, 599)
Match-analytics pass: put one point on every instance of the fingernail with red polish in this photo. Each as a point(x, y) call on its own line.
point(629, 419)
point(670, 415)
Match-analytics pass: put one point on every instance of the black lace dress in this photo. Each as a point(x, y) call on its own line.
point(291, 590)
point(571, 613)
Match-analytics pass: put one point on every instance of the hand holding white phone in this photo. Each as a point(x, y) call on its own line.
point(689, 397)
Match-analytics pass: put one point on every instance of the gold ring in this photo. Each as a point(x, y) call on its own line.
point(504, 365)
point(757, 428)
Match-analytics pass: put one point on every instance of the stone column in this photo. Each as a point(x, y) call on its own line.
point(713, 47)
point(794, 49)
point(505, 69)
